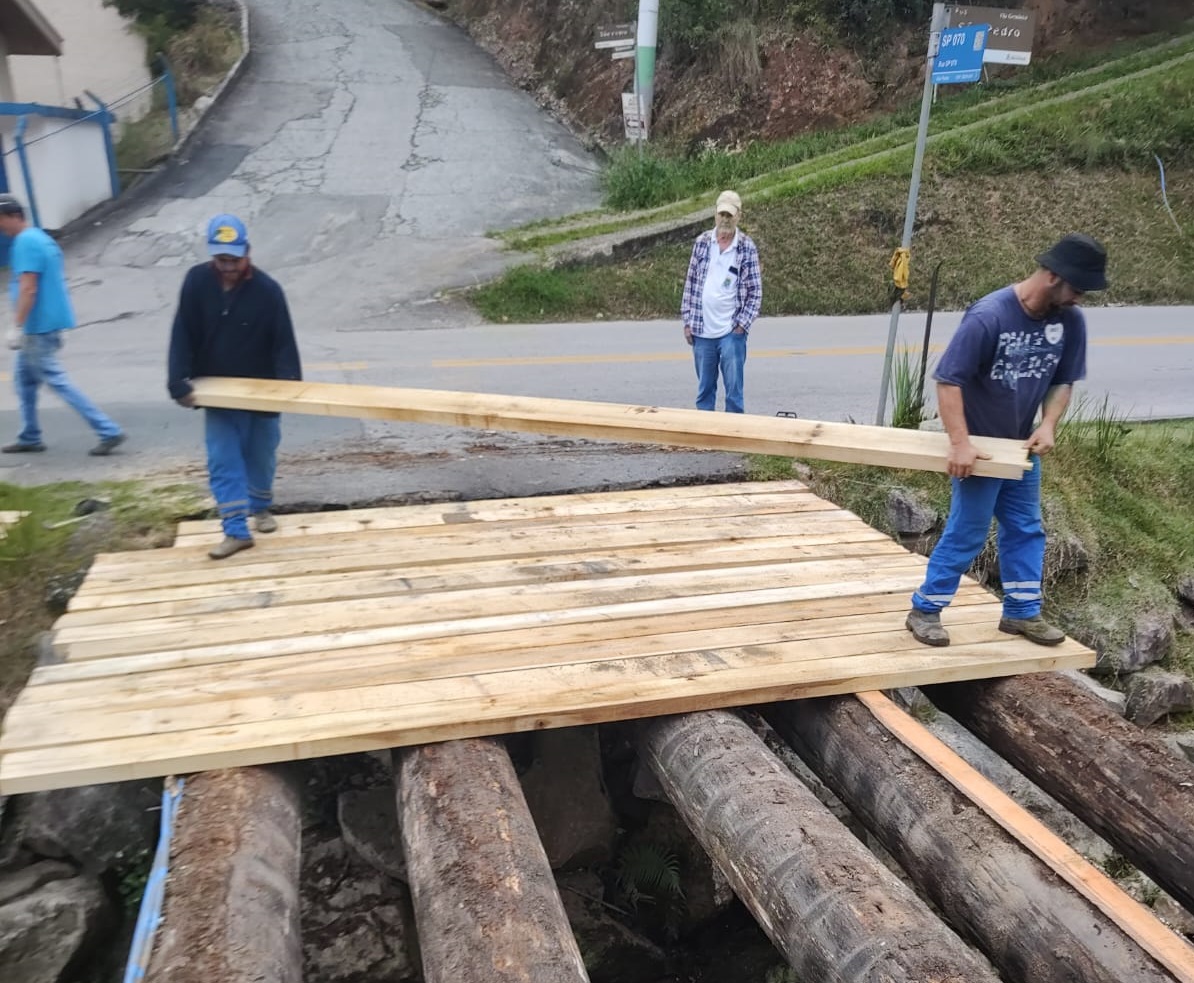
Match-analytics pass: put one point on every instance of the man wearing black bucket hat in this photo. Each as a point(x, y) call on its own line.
point(1017, 351)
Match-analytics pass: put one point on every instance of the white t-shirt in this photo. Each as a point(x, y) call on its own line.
point(719, 297)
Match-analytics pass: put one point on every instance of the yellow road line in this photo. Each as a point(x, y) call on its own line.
point(684, 356)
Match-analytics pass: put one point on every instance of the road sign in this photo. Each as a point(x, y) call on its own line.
point(615, 36)
point(636, 126)
point(960, 55)
point(1010, 40)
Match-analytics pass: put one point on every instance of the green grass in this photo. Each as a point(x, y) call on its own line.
point(32, 556)
point(1126, 492)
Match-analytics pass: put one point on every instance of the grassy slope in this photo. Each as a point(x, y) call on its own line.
point(994, 194)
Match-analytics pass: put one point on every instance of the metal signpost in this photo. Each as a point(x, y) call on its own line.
point(1010, 40)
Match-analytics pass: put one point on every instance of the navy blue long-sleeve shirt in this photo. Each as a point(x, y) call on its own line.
point(244, 332)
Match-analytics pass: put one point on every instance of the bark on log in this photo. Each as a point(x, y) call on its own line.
point(486, 904)
point(833, 911)
point(1032, 926)
point(231, 912)
point(1127, 786)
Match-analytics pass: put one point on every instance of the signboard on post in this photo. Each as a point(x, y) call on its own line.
point(615, 36)
point(632, 117)
point(960, 55)
point(1010, 40)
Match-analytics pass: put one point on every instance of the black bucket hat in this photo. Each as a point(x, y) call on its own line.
point(1079, 260)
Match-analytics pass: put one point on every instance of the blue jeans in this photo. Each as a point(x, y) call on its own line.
point(241, 454)
point(37, 364)
point(1016, 506)
point(727, 354)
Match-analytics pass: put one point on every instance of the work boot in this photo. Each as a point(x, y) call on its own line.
point(1035, 629)
point(227, 546)
point(926, 628)
point(107, 445)
point(264, 522)
point(22, 448)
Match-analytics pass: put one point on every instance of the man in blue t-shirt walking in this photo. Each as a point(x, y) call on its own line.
point(1017, 351)
point(41, 312)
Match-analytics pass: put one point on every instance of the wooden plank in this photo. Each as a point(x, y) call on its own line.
point(1133, 918)
point(9, 518)
point(444, 658)
point(517, 701)
point(215, 661)
point(678, 592)
point(576, 506)
point(879, 446)
point(280, 591)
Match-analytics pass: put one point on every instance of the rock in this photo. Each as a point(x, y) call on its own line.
point(1065, 554)
point(1185, 590)
point(49, 932)
point(1112, 698)
point(1150, 642)
point(612, 952)
point(61, 587)
point(88, 506)
point(1181, 744)
point(908, 515)
point(646, 785)
point(17, 883)
point(369, 824)
point(45, 653)
point(354, 919)
point(566, 794)
point(97, 826)
point(1174, 915)
point(1154, 694)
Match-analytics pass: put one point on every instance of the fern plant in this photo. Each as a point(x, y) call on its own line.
point(648, 872)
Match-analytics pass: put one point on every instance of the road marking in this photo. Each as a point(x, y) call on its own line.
point(682, 356)
point(337, 366)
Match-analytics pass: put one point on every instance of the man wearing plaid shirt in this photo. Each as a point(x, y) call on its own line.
point(722, 296)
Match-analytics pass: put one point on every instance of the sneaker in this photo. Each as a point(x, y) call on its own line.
point(1035, 629)
point(227, 546)
point(21, 448)
point(264, 522)
point(107, 445)
point(926, 628)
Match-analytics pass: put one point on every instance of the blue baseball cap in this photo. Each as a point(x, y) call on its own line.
point(227, 236)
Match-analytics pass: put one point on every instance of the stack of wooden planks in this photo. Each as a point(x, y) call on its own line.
point(9, 519)
point(357, 630)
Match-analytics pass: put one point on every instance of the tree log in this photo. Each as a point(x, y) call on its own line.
point(231, 911)
point(994, 892)
point(833, 911)
point(1123, 783)
point(486, 905)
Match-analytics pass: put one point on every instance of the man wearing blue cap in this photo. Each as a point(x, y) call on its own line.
point(232, 320)
point(1017, 352)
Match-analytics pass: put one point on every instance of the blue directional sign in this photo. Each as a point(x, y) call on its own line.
point(960, 54)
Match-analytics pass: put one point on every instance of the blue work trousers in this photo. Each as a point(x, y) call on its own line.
point(38, 365)
point(726, 354)
point(242, 451)
point(1016, 507)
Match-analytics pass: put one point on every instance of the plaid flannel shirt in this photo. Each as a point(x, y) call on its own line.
point(750, 283)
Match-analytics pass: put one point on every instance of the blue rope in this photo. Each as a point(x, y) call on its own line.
point(150, 915)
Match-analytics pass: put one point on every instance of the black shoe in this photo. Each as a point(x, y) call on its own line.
point(22, 448)
point(108, 445)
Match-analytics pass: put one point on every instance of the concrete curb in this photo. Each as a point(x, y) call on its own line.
point(215, 97)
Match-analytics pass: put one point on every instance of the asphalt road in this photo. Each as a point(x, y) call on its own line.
point(370, 148)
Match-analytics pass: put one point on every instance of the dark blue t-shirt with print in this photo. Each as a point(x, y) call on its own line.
point(1005, 361)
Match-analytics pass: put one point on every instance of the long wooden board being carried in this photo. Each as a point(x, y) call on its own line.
point(742, 433)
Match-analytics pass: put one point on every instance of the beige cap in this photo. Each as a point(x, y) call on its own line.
point(728, 201)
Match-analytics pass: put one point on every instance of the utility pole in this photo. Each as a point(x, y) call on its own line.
point(644, 62)
point(922, 134)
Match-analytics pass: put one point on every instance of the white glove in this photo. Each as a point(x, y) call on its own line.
point(15, 338)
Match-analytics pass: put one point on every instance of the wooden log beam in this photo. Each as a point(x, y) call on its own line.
point(1127, 786)
point(486, 905)
point(851, 443)
point(231, 912)
point(995, 893)
point(830, 907)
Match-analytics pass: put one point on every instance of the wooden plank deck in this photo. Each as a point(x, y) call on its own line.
point(362, 630)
